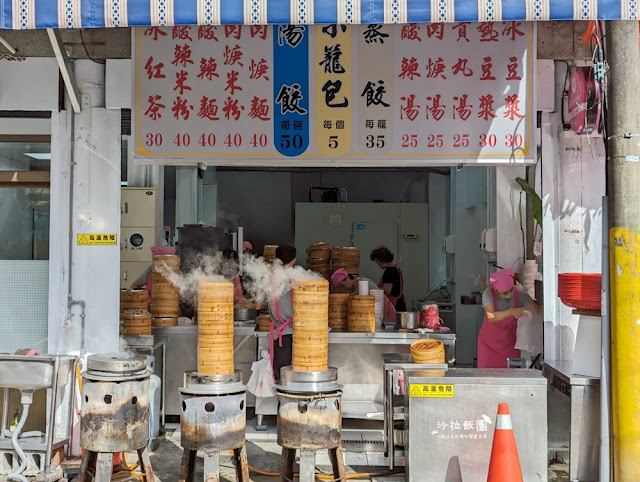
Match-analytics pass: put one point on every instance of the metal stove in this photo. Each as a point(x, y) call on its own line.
point(213, 419)
point(309, 419)
point(115, 414)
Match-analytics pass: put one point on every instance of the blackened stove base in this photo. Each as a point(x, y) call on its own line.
point(103, 463)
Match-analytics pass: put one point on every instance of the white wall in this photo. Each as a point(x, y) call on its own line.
point(36, 77)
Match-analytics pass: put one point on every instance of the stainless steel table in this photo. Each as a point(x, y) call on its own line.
point(358, 358)
point(395, 362)
point(584, 398)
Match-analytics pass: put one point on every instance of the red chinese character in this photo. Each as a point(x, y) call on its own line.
point(181, 108)
point(182, 33)
point(154, 32)
point(462, 31)
point(435, 30)
point(409, 109)
point(512, 69)
point(486, 69)
point(461, 66)
point(231, 109)
point(154, 71)
point(436, 109)
point(409, 68)
point(512, 107)
point(155, 107)
point(487, 33)
point(462, 109)
point(435, 69)
point(207, 32)
point(259, 31)
point(233, 31)
point(232, 78)
point(259, 109)
point(182, 55)
point(486, 107)
point(208, 69)
point(258, 70)
point(511, 30)
point(181, 79)
point(233, 56)
point(208, 109)
point(410, 31)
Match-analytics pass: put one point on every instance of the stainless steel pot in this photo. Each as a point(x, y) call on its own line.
point(408, 320)
point(244, 314)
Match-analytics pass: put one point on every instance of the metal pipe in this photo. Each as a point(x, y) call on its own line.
point(26, 397)
point(51, 426)
point(5, 408)
point(605, 383)
point(82, 306)
point(7, 46)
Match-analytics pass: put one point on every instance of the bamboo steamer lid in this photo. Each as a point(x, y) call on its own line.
point(164, 322)
point(338, 311)
point(362, 314)
point(319, 250)
point(215, 328)
point(427, 351)
point(133, 300)
point(310, 325)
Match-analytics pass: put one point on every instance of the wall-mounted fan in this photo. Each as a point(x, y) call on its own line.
point(584, 101)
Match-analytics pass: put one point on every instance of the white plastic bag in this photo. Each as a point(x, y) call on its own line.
point(529, 333)
point(261, 381)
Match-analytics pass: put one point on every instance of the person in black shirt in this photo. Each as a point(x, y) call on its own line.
point(391, 281)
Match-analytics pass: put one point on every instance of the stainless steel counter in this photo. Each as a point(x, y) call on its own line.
point(358, 358)
point(583, 396)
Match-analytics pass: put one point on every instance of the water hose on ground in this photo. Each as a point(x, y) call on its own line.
point(17, 475)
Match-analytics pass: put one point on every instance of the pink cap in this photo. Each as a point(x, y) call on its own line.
point(247, 245)
point(162, 250)
point(502, 280)
point(339, 276)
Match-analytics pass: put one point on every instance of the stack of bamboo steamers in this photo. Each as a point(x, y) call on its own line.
point(310, 326)
point(319, 259)
point(165, 297)
point(215, 328)
point(136, 320)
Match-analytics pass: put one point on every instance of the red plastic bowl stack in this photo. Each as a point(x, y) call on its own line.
point(580, 290)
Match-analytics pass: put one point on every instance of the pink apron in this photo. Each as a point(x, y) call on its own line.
point(497, 340)
point(393, 300)
point(237, 289)
point(273, 332)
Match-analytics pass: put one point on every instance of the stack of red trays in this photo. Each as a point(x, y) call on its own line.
point(580, 290)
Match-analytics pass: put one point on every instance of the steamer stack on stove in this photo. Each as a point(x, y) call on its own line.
point(214, 414)
point(309, 397)
point(114, 414)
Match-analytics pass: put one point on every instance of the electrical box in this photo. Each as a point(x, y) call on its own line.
point(140, 207)
point(130, 271)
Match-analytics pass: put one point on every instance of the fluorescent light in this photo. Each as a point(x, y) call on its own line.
point(39, 155)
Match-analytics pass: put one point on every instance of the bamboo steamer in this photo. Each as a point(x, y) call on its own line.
point(136, 322)
point(362, 314)
point(264, 322)
point(339, 311)
point(165, 297)
point(215, 328)
point(134, 300)
point(269, 253)
point(320, 251)
point(427, 350)
point(345, 257)
point(164, 322)
point(310, 325)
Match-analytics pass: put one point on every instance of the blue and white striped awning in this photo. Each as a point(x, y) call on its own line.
point(30, 14)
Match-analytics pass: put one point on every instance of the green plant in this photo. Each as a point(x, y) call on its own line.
point(536, 212)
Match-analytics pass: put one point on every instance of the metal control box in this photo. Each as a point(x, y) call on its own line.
point(450, 421)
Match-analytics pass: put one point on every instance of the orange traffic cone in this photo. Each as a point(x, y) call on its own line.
point(504, 465)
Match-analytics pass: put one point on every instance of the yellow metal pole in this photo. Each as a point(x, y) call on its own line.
point(623, 168)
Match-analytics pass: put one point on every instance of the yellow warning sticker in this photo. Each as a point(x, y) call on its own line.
point(431, 390)
point(97, 239)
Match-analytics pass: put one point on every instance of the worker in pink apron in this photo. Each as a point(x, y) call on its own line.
point(503, 304)
point(349, 282)
point(281, 313)
point(391, 280)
